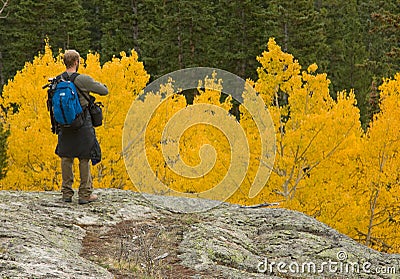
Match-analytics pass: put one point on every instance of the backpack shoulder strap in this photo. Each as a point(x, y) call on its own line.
point(73, 76)
point(65, 76)
point(58, 78)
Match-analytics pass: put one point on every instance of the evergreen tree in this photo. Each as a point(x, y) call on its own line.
point(373, 66)
point(94, 12)
point(347, 52)
point(298, 26)
point(385, 22)
point(3, 15)
point(16, 39)
point(118, 28)
point(153, 37)
point(74, 26)
point(30, 22)
point(379, 41)
point(244, 35)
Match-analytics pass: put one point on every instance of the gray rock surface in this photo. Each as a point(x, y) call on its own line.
point(41, 237)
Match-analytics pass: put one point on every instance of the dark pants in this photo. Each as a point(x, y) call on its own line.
point(85, 186)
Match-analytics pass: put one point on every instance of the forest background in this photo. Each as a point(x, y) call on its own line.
point(356, 43)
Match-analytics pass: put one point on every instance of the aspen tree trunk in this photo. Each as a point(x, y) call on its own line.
point(242, 61)
point(4, 5)
point(135, 26)
point(1, 71)
point(180, 54)
point(373, 201)
point(286, 41)
point(191, 43)
point(180, 46)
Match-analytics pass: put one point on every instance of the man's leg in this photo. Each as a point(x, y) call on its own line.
point(67, 178)
point(86, 185)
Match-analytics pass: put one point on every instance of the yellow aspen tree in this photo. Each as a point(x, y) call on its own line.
point(191, 140)
point(205, 134)
point(32, 164)
point(317, 138)
point(241, 196)
point(153, 143)
point(310, 126)
point(378, 176)
point(125, 77)
point(328, 192)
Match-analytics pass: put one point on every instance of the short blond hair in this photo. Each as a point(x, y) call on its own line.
point(70, 57)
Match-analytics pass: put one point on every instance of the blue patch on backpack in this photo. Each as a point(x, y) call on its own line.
point(65, 101)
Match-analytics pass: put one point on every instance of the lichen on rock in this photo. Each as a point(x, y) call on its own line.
point(124, 235)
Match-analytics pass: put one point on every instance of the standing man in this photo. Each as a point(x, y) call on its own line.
point(79, 143)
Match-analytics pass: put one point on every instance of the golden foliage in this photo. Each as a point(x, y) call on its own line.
point(190, 142)
point(378, 166)
point(326, 166)
point(32, 163)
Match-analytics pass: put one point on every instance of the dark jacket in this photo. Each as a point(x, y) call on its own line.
point(82, 143)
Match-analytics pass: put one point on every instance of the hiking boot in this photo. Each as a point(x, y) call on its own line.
point(89, 199)
point(66, 199)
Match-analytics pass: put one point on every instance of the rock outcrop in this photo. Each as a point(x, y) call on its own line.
point(126, 236)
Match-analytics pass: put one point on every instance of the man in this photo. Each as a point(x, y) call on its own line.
point(79, 143)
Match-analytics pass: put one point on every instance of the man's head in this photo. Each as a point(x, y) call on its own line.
point(71, 59)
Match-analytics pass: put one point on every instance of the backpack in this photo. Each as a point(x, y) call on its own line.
point(63, 103)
